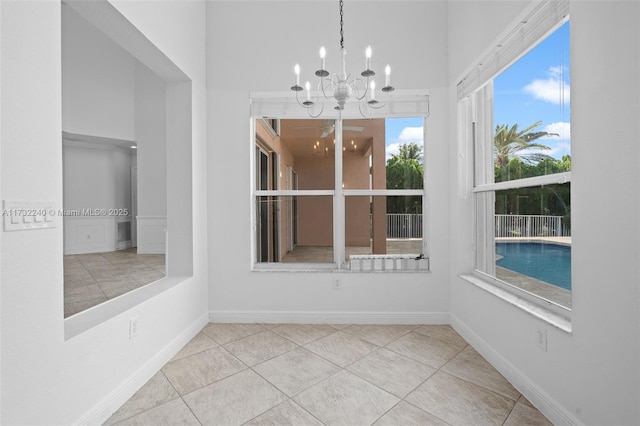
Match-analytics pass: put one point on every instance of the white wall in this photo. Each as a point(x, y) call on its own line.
point(253, 46)
point(592, 375)
point(97, 81)
point(151, 138)
point(84, 378)
point(95, 176)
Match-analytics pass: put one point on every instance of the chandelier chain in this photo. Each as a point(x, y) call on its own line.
point(341, 87)
point(341, 25)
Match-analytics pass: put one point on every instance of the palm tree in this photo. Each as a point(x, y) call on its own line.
point(509, 142)
point(410, 151)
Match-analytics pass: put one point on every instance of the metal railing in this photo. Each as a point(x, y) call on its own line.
point(400, 225)
point(510, 225)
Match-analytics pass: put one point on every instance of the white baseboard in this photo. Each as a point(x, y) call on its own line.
point(115, 399)
point(307, 317)
point(548, 406)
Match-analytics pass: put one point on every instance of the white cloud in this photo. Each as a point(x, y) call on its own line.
point(554, 89)
point(392, 149)
point(408, 134)
point(563, 129)
point(559, 145)
point(412, 134)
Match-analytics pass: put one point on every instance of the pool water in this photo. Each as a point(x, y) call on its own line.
point(544, 261)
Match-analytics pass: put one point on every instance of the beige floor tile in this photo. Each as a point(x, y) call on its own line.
point(525, 415)
point(340, 326)
point(234, 400)
point(259, 347)
point(470, 365)
point(110, 268)
point(80, 294)
point(304, 333)
point(147, 276)
point(199, 370)
point(223, 391)
point(341, 348)
point(173, 413)
point(296, 371)
point(404, 414)
point(225, 333)
point(459, 402)
point(428, 350)
point(109, 275)
point(345, 399)
point(379, 334)
point(525, 401)
point(392, 372)
point(198, 344)
point(75, 282)
point(443, 333)
point(157, 391)
point(118, 287)
point(286, 414)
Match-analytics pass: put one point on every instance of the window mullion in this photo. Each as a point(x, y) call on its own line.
point(338, 201)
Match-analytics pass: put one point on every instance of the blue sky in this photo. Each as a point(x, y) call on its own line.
point(535, 88)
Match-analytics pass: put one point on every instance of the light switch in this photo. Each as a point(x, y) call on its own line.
point(28, 215)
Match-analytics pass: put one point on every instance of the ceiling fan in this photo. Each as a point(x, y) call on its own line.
point(329, 127)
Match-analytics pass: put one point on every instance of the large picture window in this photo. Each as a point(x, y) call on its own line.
point(359, 206)
point(518, 127)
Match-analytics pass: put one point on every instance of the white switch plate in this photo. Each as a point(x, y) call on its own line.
point(26, 215)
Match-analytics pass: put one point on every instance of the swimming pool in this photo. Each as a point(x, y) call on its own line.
point(544, 261)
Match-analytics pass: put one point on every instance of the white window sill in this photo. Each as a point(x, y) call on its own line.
point(555, 315)
point(388, 263)
point(98, 314)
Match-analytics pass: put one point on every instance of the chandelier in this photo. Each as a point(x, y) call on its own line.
point(342, 86)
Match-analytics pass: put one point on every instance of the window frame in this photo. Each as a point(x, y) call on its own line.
point(475, 151)
point(406, 103)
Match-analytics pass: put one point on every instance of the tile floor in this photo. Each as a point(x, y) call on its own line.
point(299, 374)
point(93, 278)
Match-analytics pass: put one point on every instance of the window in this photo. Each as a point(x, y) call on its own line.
point(517, 125)
point(349, 200)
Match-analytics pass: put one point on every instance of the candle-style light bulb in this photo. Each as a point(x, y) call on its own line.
point(307, 86)
point(372, 86)
point(387, 73)
point(323, 53)
point(296, 70)
point(367, 54)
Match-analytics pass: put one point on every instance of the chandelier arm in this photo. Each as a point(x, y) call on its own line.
point(358, 89)
point(367, 114)
point(300, 103)
point(324, 88)
point(315, 115)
